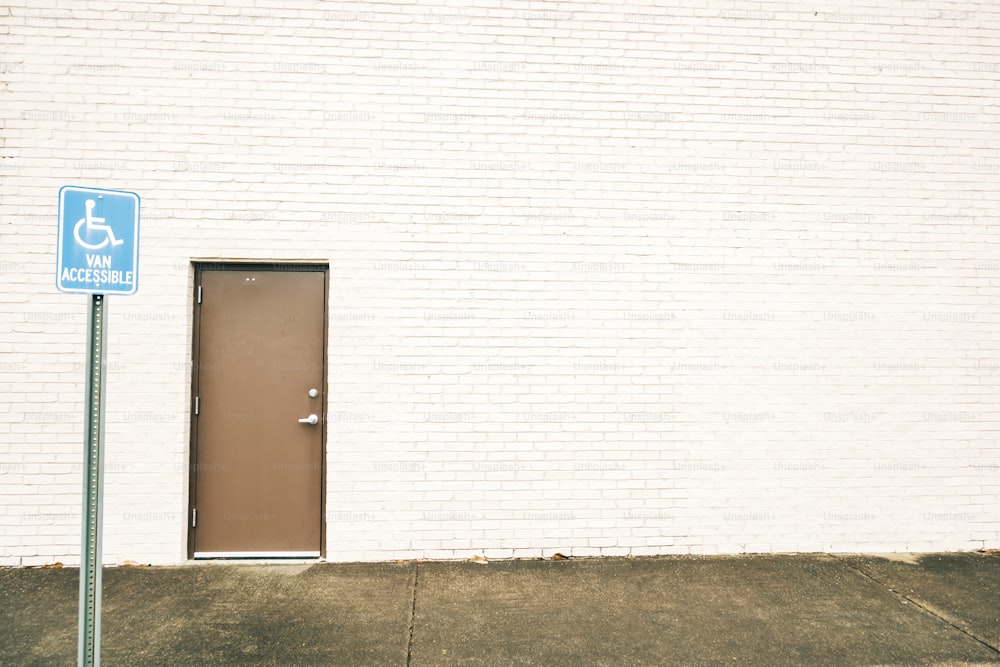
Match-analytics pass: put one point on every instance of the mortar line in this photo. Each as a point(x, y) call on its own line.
point(413, 615)
point(915, 601)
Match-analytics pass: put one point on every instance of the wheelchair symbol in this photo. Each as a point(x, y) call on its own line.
point(94, 225)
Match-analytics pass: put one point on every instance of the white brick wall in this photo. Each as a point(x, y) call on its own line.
point(605, 278)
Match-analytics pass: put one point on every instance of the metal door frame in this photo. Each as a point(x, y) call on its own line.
point(201, 266)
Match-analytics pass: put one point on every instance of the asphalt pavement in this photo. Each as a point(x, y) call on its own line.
point(819, 609)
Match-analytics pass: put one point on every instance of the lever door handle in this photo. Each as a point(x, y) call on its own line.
point(311, 419)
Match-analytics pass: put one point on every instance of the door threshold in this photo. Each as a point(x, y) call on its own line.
point(256, 555)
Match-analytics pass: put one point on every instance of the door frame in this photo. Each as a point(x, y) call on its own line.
point(201, 266)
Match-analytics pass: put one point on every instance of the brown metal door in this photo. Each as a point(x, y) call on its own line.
point(258, 377)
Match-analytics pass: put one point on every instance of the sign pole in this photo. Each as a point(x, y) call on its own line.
point(97, 253)
point(89, 654)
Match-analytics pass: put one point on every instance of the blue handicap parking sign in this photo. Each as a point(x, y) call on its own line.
point(98, 246)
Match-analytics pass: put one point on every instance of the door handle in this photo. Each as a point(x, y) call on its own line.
point(311, 420)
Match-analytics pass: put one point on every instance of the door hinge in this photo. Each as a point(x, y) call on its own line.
point(194, 518)
point(197, 404)
point(199, 293)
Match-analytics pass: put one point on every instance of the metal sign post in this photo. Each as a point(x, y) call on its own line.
point(93, 488)
point(97, 253)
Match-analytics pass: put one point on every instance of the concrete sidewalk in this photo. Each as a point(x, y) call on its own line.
point(940, 609)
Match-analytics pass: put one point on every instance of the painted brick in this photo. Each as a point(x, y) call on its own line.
point(594, 288)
